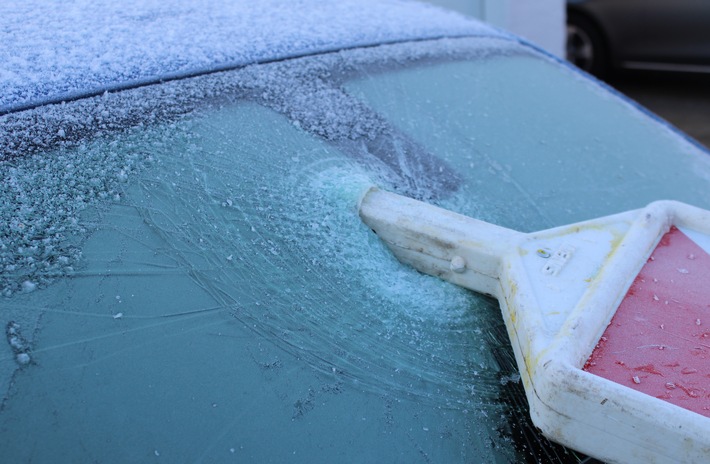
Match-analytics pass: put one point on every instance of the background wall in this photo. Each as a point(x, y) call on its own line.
point(540, 21)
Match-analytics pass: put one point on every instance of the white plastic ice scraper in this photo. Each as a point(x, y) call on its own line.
point(609, 319)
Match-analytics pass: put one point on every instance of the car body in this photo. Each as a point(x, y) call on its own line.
point(184, 273)
point(659, 35)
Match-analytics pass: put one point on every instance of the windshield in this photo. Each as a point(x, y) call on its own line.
point(191, 282)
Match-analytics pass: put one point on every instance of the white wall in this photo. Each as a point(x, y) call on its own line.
point(468, 7)
point(540, 21)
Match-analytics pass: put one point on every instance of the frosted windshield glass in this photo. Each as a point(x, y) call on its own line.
point(537, 146)
point(231, 305)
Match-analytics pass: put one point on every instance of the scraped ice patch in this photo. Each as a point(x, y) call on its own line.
point(329, 202)
point(392, 321)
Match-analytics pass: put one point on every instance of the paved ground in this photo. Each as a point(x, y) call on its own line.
point(682, 100)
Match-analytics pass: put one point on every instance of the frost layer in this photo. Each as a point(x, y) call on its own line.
point(54, 50)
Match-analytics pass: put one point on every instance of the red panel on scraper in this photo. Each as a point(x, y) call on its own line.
point(658, 342)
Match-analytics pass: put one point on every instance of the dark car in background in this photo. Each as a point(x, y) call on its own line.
point(659, 35)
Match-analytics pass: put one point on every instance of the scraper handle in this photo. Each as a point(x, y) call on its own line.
point(457, 248)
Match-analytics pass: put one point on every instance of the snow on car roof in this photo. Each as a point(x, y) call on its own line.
point(54, 51)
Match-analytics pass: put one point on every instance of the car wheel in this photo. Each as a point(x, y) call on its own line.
point(586, 48)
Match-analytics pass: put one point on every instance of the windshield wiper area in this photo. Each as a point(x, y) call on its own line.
point(407, 166)
point(314, 101)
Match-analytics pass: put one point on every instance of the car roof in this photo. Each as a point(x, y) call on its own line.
point(56, 52)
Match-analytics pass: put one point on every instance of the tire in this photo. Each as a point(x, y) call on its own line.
point(586, 47)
